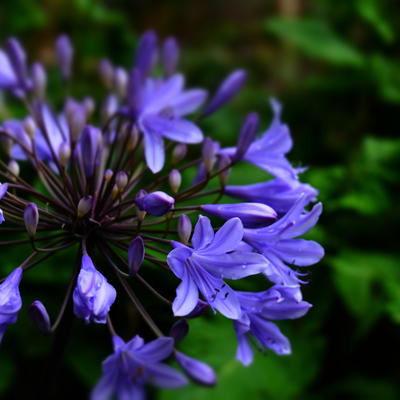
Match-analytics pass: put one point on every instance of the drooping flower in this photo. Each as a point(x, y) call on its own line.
point(280, 194)
point(135, 364)
point(203, 267)
point(10, 300)
point(93, 295)
point(280, 245)
point(258, 309)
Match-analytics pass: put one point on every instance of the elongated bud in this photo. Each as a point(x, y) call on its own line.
point(146, 54)
point(228, 89)
point(246, 136)
point(90, 142)
point(197, 370)
point(169, 56)
point(31, 218)
point(134, 90)
point(17, 58)
point(89, 105)
point(135, 255)
point(108, 174)
point(120, 81)
point(115, 192)
point(65, 53)
point(76, 118)
point(84, 206)
point(179, 153)
point(209, 152)
point(184, 228)
point(13, 167)
point(106, 72)
point(6, 144)
point(224, 161)
point(109, 107)
point(253, 215)
point(39, 79)
point(30, 126)
point(64, 153)
point(121, 180)
point(156, 203)
point(179, 330)
point(40, 317)
point(133, 138)
point(175, 180)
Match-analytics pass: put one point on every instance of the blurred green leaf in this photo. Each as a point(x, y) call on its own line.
point(315, 38)
point(371, 11)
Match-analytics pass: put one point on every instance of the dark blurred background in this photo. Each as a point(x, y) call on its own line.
point(335, 65)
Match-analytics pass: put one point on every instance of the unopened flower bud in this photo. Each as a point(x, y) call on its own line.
point(30, 126)
point(17, 57)
point(39, 79)
point(121, 180)
point(253, 215)
point(65, 53)
point(157, 203)
point(197, 370)
point(64, 153)
point(179, 153)
point(140, 214)
point(247, 134)
point(175, 180)
point(133, 138)
point(108, 108)
point(223, 176)
point(13, 167)
point(228, 89)
point(115, 192)
point(106, 71)
point(135, 255)
point(89, 106)
point(179, 330)
point(170, 56)
point(146, 53)
point(184, 228)
point(120, 81)
point(108, 174)
point(6, 144)
point(90, 142)
point(209, 152)
point(76, 118)
point(84, 206)
point(31, 218)
point(40, 317)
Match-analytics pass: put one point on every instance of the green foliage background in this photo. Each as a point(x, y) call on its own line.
point(335, 65)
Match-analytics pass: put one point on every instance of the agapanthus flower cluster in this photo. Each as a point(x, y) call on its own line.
point(133, 185)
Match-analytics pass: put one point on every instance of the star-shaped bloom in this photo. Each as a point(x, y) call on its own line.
point(135, 364)
point(212, 258)
point(269, 152)
point(279, 244)
point(10, 300)
point(160, 107)
point(276, 303)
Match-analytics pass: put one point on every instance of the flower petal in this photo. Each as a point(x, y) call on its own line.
point(203, 233)
point(186, 296)
point(154, 150)
point(156, 350)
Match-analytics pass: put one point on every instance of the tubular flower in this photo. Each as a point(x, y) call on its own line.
point(119, 181)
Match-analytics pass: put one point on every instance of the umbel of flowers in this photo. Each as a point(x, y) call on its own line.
point(115, 188)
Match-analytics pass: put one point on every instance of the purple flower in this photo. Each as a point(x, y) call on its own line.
point(156, 203)
point(135, 364)
point(252, 215)
point(65, 53)
point(146, 53)
point(276, 303)
point(269, 151)
point(161, 106)
point(10, 300)
point(279, 245)
point(93, 295)
point(280, 194)
point(203, 267)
